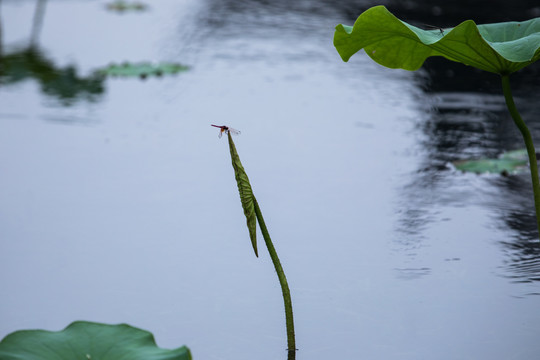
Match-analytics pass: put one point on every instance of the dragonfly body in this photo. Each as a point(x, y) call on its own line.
point(226, 130)
point(435, 28)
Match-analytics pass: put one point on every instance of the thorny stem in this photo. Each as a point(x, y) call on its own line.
point(531, 152)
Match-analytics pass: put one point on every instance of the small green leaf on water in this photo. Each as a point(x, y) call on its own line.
point(142, 70)
point(87, 340)
point(520, 154)
point(246, 194)
point(500, 48)
point(511, 162)
point(121, 6)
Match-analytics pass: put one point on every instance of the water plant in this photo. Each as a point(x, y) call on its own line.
point(511, 162)
point(253, 214)
point(86, 340)
point(122, 6)
point(141, 70)
point(500, 48)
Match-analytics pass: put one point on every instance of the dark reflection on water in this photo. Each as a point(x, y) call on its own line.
point(464, 125)
point(241, 11)
point(522, 249)
point(256, 29)
point(62, 83)
point(449, 13)
point(37, 23)
point(466, 117)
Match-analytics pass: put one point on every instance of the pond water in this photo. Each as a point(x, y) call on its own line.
point(118, 201)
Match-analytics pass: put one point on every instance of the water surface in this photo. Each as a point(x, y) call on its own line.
point(118, 203)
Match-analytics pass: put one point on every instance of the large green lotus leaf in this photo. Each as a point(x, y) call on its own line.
point(500, 48)
point(84, 340)
point(511, 162)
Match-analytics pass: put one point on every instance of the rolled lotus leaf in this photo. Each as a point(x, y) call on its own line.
point(246, 193)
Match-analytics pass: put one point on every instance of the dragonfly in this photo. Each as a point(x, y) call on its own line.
point(435, 28)
point(226, 130)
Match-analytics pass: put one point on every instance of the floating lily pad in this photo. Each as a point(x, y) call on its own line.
point(511, 162)
point(520, 154)
point(121, 6)
point(84, 340)
point(142, 70)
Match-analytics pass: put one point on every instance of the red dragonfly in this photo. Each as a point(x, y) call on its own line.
point(226, 129)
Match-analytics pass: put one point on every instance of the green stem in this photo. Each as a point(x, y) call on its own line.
point(528, 143)
point(291, 344)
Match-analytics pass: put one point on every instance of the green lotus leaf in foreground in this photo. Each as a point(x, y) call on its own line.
point(501, 48)
point(83, 340)
point(142, 70)
point(512, 162)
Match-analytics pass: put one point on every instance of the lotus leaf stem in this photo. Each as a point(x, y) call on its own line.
point(531, 152)
point(291, 344)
